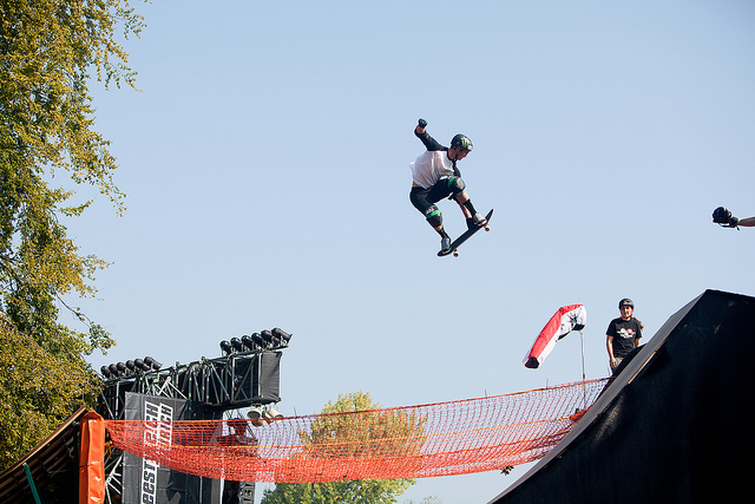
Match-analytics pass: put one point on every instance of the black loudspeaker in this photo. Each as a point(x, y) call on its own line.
point(243, 381)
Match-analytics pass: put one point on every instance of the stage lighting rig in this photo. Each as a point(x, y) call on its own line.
point(116, 370)
point(155, 365)
point(270, 414)
point(249, 343)
point(141, 365)
point(255, 415)
point(260, 414)
point(268, 337)
point(237, 345)
point(258, 341)
point(226, 347)
point(130, 368)
point(282, 336)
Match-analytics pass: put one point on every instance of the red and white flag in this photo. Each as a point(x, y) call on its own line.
point(567, 319)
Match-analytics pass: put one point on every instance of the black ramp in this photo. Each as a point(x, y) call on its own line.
point(675, 425)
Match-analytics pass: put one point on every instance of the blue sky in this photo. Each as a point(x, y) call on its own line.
point(265, 162)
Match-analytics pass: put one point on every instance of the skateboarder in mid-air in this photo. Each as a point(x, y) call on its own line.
point(435, 176)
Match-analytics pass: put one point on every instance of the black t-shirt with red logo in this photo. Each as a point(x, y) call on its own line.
point(624, 333)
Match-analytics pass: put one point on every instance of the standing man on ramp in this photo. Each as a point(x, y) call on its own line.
point(436, 176)
point(623, 334)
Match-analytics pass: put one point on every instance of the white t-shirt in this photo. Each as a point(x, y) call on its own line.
point(430, 167)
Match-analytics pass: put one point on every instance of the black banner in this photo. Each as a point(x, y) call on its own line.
point(144, 481)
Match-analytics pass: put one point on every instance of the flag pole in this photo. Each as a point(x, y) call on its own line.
point(584, 378)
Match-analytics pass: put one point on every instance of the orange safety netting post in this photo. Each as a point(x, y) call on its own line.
point(92, 459)
point(440, 439)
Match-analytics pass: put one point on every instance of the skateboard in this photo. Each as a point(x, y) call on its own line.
point(454, 249)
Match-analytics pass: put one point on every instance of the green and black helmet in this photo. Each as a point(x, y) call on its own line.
point(462, 142)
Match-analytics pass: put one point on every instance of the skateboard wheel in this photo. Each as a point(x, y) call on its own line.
point(456, 253)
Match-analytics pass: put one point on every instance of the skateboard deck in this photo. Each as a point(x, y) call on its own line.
point(454, 249)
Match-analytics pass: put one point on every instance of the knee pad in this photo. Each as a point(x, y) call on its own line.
point(456, 185)
point(434, 217)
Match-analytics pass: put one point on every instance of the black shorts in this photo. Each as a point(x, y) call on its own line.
point(425, 199)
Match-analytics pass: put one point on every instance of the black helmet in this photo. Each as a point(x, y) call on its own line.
point(462, 142)
point(626, 302)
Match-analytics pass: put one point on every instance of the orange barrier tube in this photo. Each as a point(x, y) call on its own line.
point(92, 459)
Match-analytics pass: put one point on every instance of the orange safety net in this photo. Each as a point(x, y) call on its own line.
point(440, 439)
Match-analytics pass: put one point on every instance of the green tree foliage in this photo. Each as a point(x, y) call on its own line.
point(38, 389)
point(47, 50)
point(344, 436)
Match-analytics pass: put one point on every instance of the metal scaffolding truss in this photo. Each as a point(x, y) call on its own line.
point(234, 381)
point(221, 386)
